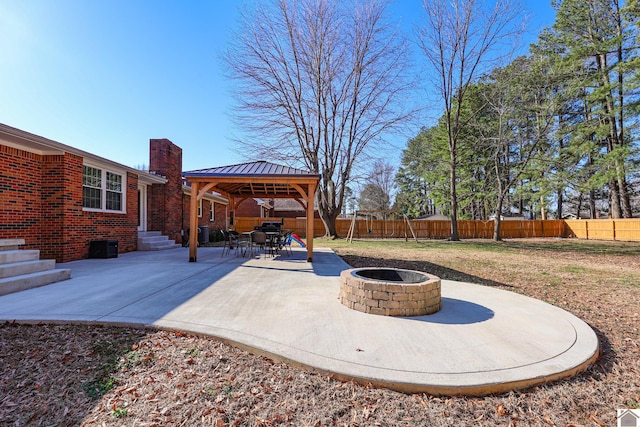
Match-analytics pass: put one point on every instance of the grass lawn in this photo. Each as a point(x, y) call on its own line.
point(89, 375)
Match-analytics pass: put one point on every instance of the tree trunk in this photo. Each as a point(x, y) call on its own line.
point(625, 200)
point(579, 207)
point(328, 218)
point(614, 200)
point(592, 204)
point(497, 221)
point(454, 199)
point(559, 205)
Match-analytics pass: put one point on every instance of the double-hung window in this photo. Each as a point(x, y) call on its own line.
point(102, 189)
point(213, 212)
point(114, 192)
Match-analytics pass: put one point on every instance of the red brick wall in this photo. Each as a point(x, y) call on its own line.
point(165, 158)
point(250, 208)
point(61, 195)
point(108, 225)
point(205, 220)
point(20, 183)
point(41, 202)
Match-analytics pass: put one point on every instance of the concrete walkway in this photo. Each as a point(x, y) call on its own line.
point(484, 340)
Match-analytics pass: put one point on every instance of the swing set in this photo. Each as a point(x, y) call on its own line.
point(386, 215)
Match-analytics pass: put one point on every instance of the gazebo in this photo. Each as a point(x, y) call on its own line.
point(259, 179)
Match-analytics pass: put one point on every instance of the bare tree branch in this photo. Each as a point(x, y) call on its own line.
point(320, 83)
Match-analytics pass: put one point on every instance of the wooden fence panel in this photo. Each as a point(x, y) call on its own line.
point(626, 229)
point(600, 230)
point(576, 228)
point(554, 228)
point(596, 229)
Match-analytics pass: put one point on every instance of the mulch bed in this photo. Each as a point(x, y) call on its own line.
point(67, 375)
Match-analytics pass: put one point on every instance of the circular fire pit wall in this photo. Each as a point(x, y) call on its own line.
point(390, 291)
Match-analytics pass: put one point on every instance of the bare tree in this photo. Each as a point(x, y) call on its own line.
point(319, 82)
point(376, 194)
point(461, 40)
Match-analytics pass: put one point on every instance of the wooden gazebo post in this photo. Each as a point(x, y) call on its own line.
point(311, 195)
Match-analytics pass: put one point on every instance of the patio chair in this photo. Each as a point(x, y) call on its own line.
point(259, 239)
point(231, 241)
point(286, 242)
point(273, 243)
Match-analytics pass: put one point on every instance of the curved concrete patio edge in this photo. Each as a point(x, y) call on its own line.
point(484, 340)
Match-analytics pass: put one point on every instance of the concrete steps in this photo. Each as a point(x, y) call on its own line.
point(23, 269)
point(155, 241)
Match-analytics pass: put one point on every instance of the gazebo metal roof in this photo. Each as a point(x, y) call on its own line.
point(259, 168)
point(255, 179)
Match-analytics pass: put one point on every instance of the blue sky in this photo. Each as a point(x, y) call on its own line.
point(105, 76)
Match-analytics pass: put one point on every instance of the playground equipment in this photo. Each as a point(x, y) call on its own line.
point(298, 240)
point(369, 216)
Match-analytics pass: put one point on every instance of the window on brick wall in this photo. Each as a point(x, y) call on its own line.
point(102, 189)
point(200, 208)
point(114, 192)
point(92, 188)
point(212, 217)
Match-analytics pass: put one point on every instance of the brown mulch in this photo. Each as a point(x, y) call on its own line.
point(64, 375)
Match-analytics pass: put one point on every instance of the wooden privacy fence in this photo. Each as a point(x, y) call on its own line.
point(594, 229)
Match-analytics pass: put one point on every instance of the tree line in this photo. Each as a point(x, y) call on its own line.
point(322, 84)
point(551, 132)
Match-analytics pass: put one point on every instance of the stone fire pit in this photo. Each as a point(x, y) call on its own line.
point(390, 291)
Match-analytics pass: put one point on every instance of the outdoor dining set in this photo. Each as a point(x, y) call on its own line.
point(268, 239)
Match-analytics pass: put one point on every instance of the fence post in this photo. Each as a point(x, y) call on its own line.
point(613, 225)
point(586, 228)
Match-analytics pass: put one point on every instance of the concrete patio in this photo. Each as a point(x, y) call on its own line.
point(484, 340)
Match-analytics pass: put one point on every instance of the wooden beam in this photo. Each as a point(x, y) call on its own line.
point(193, 223)
point(297, 199)
point(300, 190)
point(310, 220)
point(208, 186)
point(232, 213)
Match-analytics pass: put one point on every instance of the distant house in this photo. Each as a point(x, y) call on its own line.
point(586, 215)
point(59, 198)
point(255, 207)
point(290, 208)
point(272, 208)
point(508, 217)
point(433, 217)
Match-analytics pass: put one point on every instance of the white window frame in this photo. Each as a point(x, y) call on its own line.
point(200, 208)
point(103, 188)
point(212, 214)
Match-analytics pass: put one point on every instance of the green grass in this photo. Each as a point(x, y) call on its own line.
point(574, 269)
point(119, 412)
point(554, 245)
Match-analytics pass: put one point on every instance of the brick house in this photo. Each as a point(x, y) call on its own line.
point(255, 207)
point(272, 208)
point(59, 198)
point(213, 211)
